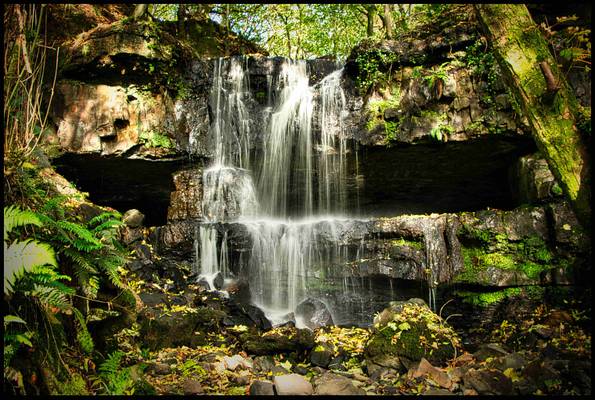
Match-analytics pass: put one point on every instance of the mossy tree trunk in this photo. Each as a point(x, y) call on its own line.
point(543, 96)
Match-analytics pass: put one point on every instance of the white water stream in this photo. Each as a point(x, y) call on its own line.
point(299, 173)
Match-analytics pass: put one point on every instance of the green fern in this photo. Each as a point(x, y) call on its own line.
point(13, 217)
point(20, 257)
point(82, 335)
point(117, 380)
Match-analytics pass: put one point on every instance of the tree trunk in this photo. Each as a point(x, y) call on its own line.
point(139, 11)
point(550, 107)
point(181, 19)
point(370, 13)
point(388, 20)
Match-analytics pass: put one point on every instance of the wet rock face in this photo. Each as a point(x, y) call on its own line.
point(186, 199)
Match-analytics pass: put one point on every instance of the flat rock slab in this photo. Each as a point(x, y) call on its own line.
point(426, 369)
point(333, 384)
point(292, 384)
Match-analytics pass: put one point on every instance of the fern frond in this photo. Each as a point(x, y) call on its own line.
point(52, 297)
point(109, 264)
point(24, 256)
point(108, 227)
point(79, 260)
point(55, 204)
point(14, 216)
point(111, 365)
point(103, 217)
point(82, 335)
point(82, 233)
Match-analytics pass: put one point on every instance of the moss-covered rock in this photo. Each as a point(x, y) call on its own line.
point(278, 340)
point(184, 326)
point(411, 330)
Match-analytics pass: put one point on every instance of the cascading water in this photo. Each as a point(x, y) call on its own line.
point(228, 188)
point(301, 175)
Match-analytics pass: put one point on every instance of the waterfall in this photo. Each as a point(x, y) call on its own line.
point(287, 158)
point(300, 173)
point(228, 190)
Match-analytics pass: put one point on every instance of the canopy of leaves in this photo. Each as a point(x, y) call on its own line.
point(302, 31)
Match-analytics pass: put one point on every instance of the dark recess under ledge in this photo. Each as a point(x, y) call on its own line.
point(123, 183)
point(446, 177)
point(410, 179)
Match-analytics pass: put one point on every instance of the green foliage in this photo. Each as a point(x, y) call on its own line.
point(374, 69)
point(570, 42)
point(484, 299)
point(154, 139)
point(115, 379)
point(92, 249)
point(483, 64)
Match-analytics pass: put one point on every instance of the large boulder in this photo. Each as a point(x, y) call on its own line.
point(313, 313)
point(410, 330)
point(284, 339)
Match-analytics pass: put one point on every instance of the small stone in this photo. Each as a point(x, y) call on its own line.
point(490, 382)
point(264, 363)
point(161, 369)
point(261, 388)
point(133, 218)
point(192, 387)
point(489, 350)
point(241, 379)
point(437, 392)
point(322, 355)
point(292, 384)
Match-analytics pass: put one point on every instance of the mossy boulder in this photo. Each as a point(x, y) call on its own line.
point(410, 330)
point(284, 339)
point(186, 326)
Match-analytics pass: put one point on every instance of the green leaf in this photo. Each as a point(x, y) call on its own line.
point(22, 256)
point(404, 326)
point(13, 217)
point(12, 318)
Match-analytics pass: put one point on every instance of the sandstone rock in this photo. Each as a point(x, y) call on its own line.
point(292, 384)
point(100, 119)
point(261, 388)
point(424, 368)
point(186, 199)
point(333, 384)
